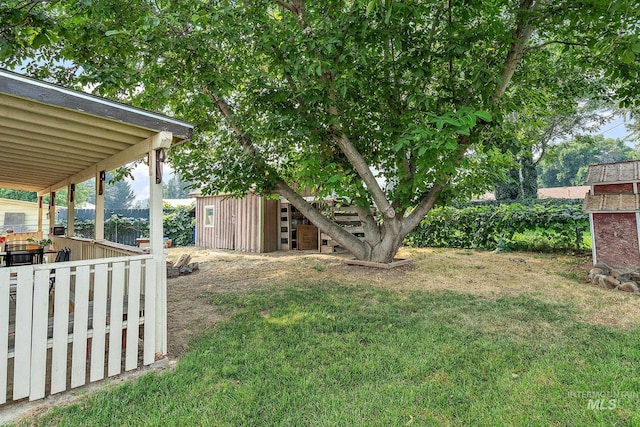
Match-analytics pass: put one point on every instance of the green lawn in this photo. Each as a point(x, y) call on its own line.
point(324, 354)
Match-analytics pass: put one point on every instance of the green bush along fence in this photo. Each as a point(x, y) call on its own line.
point(178, 226)
point(538, 226)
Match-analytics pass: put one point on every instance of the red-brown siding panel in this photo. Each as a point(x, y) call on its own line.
point(616, 239)
point(613, 188)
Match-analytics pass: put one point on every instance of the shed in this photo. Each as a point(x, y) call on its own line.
point(261, 224)
point(613, 204)
point(249, 224)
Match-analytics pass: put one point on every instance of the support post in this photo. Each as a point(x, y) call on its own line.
point(40, 206)
point(52, 213)
point(100, 183)
point(156, 235)
point(71, 204)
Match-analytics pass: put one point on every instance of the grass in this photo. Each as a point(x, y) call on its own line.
point(320, 353)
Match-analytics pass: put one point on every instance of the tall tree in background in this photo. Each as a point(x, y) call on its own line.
point(83, 192)
point(117, 193)
point(175, 188)
point(27, 196)
point(387, 103)
point(566, 164)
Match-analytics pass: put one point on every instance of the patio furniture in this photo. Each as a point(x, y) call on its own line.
point(63, 255)
point(24, 257)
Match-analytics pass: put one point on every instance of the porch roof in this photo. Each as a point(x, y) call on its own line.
point(51, 136)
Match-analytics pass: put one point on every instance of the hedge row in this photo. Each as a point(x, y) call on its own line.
point(178, 226)
point(501, 226)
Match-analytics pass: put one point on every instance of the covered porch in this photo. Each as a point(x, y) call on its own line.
point(65, 324)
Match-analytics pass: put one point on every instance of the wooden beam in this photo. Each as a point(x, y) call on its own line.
point(99, 222)
point(71, 205)
point(157, 244)
point(131, 154)
point(40, 143)
point(24, 120)
point(35, 90)
point(78, 117)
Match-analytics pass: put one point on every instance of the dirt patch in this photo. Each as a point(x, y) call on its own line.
point(549, 278)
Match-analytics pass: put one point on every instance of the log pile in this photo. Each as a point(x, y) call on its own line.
point(606, 277)
point(181, 267)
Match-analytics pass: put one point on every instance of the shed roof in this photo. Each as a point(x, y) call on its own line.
point(612, 203)
point(49, 134)
point(613, 173)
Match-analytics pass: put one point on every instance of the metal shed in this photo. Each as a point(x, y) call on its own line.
point(613, 204)
point(248, 224)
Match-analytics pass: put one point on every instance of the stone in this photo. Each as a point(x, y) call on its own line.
point(604, 267)
point(611, 282)
point(593, 272)
point(598, 280)
point(628, 287)
point(172, 272)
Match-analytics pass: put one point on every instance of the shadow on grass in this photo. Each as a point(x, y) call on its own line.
point(324, 354)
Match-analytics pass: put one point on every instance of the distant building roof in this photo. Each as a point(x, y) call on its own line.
point(612, 203)
point(576, 192)
point(614, 173)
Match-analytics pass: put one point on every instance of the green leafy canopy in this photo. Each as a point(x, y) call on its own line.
point(392, 103)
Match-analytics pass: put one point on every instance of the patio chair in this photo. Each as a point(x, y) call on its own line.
point(63, 255)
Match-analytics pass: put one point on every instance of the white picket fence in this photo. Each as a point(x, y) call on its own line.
point(80, 329)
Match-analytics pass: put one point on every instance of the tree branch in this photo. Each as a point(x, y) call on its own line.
point(342, 236)
point(339, 234)
point(555, 42)
point(414, 218)
point(521, 36)
point(361, 166)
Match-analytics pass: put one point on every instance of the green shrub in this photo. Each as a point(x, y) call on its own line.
point(546, 227)
point(178, 225)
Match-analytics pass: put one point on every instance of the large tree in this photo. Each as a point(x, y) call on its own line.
point(567, 163)
point(392, 104)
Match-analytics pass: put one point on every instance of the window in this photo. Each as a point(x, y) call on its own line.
point(209, 216)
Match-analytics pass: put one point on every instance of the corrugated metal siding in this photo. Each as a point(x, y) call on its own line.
point(247, 226)
point(222, 234)
point(271, 226)
point(250, 224)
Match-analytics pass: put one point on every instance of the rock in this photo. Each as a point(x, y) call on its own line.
point(593, 272)
point(628, 287)
point(185, 269)
point(604, 267)
point(599, 280)
point(194, 266)
point(172, 272)
point(611, 282)
point(635, 276)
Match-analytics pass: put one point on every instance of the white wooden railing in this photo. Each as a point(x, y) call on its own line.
point(90, 320)
point(82, 248)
